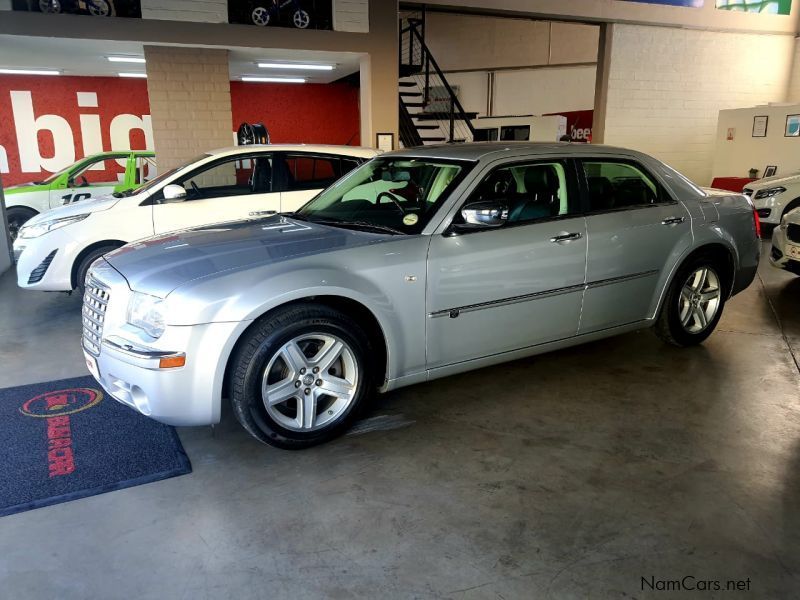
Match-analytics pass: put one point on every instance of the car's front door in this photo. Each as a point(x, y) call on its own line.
point(90, 179)
point(228, 189)
point(635, 230)
point(518, 285)
point(301, 176)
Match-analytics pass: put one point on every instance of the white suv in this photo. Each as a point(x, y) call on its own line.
point(773, 197)
point(55, 249)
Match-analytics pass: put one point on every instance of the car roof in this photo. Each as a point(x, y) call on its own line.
point(476, 151)
point(310, 148)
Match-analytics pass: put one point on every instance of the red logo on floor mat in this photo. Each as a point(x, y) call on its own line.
point(56, 407)
point(61, 402)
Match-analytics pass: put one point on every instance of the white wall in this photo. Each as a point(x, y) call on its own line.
point(541, 91)
point(666, 87)
point(206, 11)
point(794, 80)
point(734, 158)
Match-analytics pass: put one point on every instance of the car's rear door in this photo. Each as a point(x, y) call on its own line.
point(497, 290)
point(300, 175)
point(227, 189)
point(635, 230)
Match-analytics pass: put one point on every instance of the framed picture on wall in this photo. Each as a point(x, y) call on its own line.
point(770, 171)
point(760, 126)
point(792, 126)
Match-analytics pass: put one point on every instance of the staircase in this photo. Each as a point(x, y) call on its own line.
point(430, 112)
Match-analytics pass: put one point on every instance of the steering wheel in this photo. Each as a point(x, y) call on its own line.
point(196, 189)
point(393, 199)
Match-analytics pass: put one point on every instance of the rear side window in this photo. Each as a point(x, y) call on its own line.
point(313, 172)
point(614, 185)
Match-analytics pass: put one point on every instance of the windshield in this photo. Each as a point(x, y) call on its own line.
point(54, 176)
point(153, 183)
point(396, 194)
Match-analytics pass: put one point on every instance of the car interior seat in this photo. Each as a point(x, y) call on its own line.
point(540, 198)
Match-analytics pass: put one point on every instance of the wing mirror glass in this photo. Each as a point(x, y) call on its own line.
point(174, 193)
point(484, 214)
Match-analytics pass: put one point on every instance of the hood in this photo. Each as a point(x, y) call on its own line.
point(78, 208)
point(774, 181)
point(161, 264)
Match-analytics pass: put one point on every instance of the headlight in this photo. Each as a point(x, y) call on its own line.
point(769, 193)
point(33, 231)
point(144, 312)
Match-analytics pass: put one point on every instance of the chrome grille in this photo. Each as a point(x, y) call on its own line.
point(95, 301)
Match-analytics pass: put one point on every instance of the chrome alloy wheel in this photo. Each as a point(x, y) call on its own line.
point(699, 300)
point(99, 8)
point(301, 19)
point(50, 6)
point(260, 16)
point(310, 382)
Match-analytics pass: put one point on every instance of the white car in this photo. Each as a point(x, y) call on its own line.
point(785, 251)
point(773, 197)
point(55, 249)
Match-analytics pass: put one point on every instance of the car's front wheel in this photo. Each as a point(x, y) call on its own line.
point(693, 304)
point(86, 262)
point(300, 375)
point(17, 216)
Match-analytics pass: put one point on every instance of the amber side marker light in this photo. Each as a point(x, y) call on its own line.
point(172, 362)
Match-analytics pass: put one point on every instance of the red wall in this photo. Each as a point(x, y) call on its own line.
point(57, 96)
point(308, 113)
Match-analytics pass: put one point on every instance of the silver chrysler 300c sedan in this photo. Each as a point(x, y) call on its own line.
point(419, 264)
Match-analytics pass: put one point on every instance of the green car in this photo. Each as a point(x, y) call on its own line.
point(91, 177)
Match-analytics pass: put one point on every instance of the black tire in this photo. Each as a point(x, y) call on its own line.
point(668, 327)
point(17, 216)
point(86, 262)
point(263, 342)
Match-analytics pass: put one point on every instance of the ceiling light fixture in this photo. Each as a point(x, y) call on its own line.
point(28, 72)
point(303, 67)
point(127, 59)
point(275, 79)
point(134, 75)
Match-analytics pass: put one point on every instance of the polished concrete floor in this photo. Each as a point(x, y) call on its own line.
point(569, 475)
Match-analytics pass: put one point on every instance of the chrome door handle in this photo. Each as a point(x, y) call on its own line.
point(566, 237)
point(673, 220)
point(258, 213)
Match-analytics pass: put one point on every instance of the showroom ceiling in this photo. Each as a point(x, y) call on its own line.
point(90, 57)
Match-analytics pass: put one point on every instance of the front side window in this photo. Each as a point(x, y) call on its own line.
point(235, 176)
point(530, 192)
point(145, 169)
point(615, 185)
point(398, 193)
point(104, 170)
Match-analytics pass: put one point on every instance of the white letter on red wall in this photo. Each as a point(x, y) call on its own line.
point(28, 127)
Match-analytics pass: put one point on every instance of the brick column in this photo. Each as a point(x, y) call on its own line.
point(190, 102)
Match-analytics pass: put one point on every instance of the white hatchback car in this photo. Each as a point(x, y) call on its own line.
point(55, 249)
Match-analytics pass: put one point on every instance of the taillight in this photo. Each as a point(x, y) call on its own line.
point(757, 223)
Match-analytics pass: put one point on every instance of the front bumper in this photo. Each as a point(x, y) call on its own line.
point(31, 253)
point(781, 251)
point(770, 210)
point(190, 395)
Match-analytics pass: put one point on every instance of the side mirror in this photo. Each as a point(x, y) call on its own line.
point(486, 214)
point(174, 193)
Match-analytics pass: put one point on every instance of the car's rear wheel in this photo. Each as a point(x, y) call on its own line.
point(50, 6)
point(260, 16)
point(300, 376)
point(86, 263)
point(17, 216)
point(693, 305)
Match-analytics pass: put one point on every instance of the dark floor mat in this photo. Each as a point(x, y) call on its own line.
point(67, 439)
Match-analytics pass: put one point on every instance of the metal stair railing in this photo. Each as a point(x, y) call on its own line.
point(417, 63)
